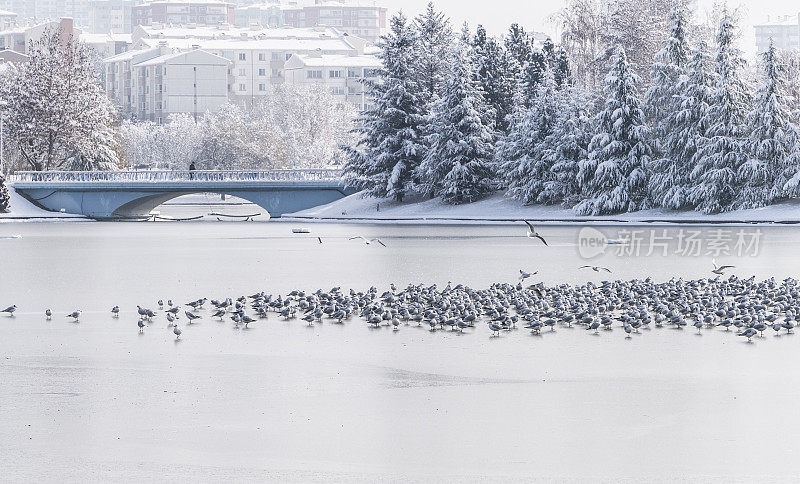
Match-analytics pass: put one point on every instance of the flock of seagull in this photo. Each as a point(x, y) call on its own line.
point(749, 306)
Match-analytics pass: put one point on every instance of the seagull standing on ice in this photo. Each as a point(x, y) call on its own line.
point(48, 314)
point(532, 233)
point(10, 310)
point(177, 331)
point(74, 315)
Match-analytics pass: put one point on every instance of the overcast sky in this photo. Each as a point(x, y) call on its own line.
point(496, 15)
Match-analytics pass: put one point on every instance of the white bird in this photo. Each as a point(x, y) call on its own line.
point(720, 270)
point(74, 315)
point(48, 313)
point(177, 331)
point(115, 311)
point(596, 268)
point(10, 310)
point(368, 241)
point(191, 316)
point(524, 275)
point(532, 234)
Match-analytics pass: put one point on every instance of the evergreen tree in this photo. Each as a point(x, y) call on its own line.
point(772, 139)
point(390, 147)
point(557, 62)
point(434, 40)
point(683, 130)
point(458, 167)
point(568, 148)
point(614, 177)
point(669, 64)
point(527, 174)
point(5, 198)
point(723, 151)
point(494, 72)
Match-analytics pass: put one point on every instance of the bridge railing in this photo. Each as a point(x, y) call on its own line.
point(177, 176)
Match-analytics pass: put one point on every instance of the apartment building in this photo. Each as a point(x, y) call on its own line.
point(783, 30)
point(183, 12)
point(18, 39)
point(363, 18)
point(110, 16)
point(256, 59)
point(8, 20)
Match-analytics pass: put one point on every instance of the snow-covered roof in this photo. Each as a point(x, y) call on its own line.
point(129, 55)
point(167, 57)
point(102, 38)
point(339, 60)
point(186, 2)
point(6, 13)
point(779, 20)
point(253, 44)
point(210, 32)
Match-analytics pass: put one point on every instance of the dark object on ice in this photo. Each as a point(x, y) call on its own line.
point(246, 218)
point(192, 168)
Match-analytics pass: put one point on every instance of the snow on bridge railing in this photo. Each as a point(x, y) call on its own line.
point(177, 176)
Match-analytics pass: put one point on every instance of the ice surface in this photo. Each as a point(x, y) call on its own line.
point(281, 401)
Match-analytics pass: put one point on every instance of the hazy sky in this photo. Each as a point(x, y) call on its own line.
point(496, 15)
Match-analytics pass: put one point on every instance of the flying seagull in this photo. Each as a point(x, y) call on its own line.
point(596, 268)
point(320, 239)
point(720, 270)
point(532, 233)
point(368, 241)
point(524, 275)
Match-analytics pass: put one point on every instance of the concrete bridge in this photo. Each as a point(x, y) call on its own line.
point(124, 194)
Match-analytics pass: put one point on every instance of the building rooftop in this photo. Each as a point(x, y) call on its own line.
point(166, 57)
point(331, 44)
point(6, 13)
point(339, 60)
point(228, 32)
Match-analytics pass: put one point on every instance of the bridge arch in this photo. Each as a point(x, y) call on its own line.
point(105, 195)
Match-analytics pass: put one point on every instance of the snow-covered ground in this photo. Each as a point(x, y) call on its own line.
point(499, 208)
point(22, 209)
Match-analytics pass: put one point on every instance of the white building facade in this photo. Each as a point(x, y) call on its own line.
point(783, 30)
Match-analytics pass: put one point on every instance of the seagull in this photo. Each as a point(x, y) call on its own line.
point(320, 239)
point(74, 315)
point(191, 316)
point(532, 233)
point(748, 333)
point(170, 318)
point(596, 268)
point(141, 325)
point(10, 310)
point(524, 275)
point(177, 331)
point(720, 271)
point(160, 304)
point(115, 311)
point(48, 313)
point(368, 241)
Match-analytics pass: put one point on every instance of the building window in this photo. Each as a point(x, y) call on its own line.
point(242, 72)
point(337, 90)
point(314, 74)
point(262, 87)
point(242, 87)
point(334, 74)
point(242, 56)
point(277, 73)
point(262, 57)
point(262, 72)
point(352, 73)
point(276, 56)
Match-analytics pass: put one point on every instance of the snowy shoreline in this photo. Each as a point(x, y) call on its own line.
point(499, 209)
point(21, 210)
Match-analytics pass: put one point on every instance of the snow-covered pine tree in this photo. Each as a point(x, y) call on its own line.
point(684, 129)
point(434, 43)
point(556, 60)
point(527, 174)
point(390, 147)
point(668, 65)
point(614, 176)
point(495, 73)
point(772, 139)
point(458, 166)
point(569, 144)
point(723, 151)
point(5, 199)
point(55, 106)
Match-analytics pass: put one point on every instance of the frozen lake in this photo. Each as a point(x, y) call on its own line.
point(283, 401)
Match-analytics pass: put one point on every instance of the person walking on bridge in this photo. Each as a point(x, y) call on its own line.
point(192, 168)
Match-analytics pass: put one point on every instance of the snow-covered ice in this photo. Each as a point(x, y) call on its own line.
point(97, 401)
